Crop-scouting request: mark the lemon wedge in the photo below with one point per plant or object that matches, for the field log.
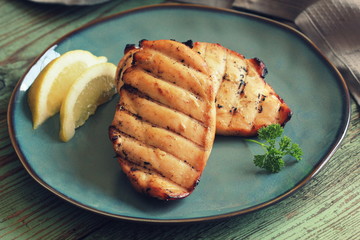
(94, 87)
(52, 84)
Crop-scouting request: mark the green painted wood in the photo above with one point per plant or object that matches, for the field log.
(325, 208)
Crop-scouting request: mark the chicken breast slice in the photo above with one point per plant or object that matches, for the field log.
(244, 101)
(164, 125)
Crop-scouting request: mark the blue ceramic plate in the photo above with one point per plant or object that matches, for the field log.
(84, 170)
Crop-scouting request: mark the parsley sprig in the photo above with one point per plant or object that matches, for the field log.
(275, 150)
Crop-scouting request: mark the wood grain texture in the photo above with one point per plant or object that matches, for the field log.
(325, 208)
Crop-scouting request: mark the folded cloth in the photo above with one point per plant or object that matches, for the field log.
(334, 26)
(284, 9)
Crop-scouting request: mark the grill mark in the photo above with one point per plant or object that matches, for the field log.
(240, 91)
(224, 74)
(120, 71)
(157, 76)
(182, 61)
(257, 101)
(120, 134)
(167, 52)
(140, 94)
(168, 175)
(220, 80)
(139, 118)
(243, 81)
(159, 141)
(137, 167)
(191, 157)
(170, 83)
(149, 171)
(190, 69)
(138, 105)
(192, 96)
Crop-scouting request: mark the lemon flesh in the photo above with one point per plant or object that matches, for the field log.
(94, 87)
(46, 94)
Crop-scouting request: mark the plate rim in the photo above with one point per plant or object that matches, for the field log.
(332, 148)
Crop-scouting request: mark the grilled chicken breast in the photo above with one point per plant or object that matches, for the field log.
(125, 63)
(164, 125)
(244, 101)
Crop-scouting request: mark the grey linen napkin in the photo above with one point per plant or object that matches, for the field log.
(333, 25)
(284, 9)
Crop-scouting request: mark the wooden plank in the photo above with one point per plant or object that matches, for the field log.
(325, 208)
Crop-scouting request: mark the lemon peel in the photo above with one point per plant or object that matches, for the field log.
(92, 88)
(46, 94)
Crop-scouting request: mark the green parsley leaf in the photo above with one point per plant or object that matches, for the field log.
(275, 150)
(270, 132)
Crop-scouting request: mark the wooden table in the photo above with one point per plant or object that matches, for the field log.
(325, 208)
